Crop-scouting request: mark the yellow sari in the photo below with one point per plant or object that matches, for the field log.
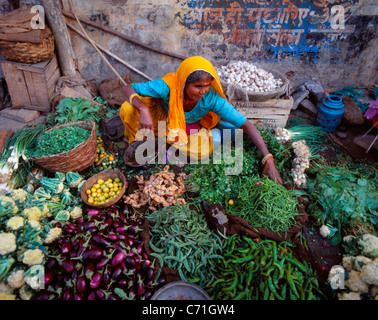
(197, 146)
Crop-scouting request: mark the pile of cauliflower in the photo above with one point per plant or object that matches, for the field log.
(361, 270)
(26, 230)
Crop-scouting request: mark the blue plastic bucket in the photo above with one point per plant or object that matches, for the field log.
(330, 113)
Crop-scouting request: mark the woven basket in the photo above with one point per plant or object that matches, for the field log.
(105, 175)
(353, 114)
(77, 159)
(27, 52)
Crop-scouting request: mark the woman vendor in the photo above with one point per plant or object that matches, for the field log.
(190, 102)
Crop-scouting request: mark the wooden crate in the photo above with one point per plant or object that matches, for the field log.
(31, 86)
(273, 113)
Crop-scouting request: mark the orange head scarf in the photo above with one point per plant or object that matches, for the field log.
(176, 126)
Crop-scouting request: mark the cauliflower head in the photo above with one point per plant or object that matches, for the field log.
(33, 213)
(369, 273)
(53, 234)
(7, 201)
(19, 194)
(7, 243)
(355, 283)
(369, 245)
(349, 296)
(16, 279)
(76, 213)
(33, 257)
(15, 223)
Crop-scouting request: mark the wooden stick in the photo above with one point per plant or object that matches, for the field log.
(94, 45)
(110, 53)
(121, 35)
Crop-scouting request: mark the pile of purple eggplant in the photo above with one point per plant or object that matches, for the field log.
(100, 257)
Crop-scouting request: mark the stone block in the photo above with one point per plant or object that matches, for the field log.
(21, 115)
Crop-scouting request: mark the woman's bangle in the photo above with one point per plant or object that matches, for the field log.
(269, 155)
(132, 97)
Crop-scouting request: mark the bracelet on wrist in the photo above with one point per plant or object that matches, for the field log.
(132, 97)
(269, 155)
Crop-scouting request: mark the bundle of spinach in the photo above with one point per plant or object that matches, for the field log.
(73, 110)
(345, 198)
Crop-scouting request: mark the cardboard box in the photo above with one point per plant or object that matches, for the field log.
(273, 113)
(31, 86)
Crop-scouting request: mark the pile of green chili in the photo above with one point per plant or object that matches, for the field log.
(264, 203)
(181, 239)
(58, 141)
(262, 270)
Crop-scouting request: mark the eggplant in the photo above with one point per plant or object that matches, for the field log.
(67, 265)
(71, 226)
(90, 269)
(49, 278)
(66, 248)
(122, 283)
(121, 237)
(94, 212)
(117, 272)
(106, 278)
(44, 296)
(92, 295)
(102, 263)
(121, 229)
(96, 280)
(116, 223)
(112, 237)
(107, 223)
(146, 264)
(81, 284)
(111, 297)
(100, 294)
(130, 261)
(118, 258)
(139, 248)
(100, 240)
(147, 294)
(93, 254)
(92, 230)
(51, 263)
(139, 221)
(77, 296)
(67, 294)
(150, 274)
(89, 225)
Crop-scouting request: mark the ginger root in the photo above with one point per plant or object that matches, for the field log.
(160, 190)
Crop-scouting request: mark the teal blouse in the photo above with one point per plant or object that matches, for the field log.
(211, 101)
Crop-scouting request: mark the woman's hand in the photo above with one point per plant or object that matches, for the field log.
(145, 118)
(271, 171)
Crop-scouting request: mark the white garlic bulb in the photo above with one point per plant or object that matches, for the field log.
(248, 76)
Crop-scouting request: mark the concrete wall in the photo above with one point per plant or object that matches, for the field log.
(333, 40)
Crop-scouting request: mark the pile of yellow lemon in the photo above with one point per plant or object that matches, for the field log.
(104, 191)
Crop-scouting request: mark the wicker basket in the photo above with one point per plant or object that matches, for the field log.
(27, 52)
(105, 175)
(77, 159)
(353, 114)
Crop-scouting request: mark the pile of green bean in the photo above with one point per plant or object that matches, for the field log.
(262, 270)
(181, 239)
(264, 203)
